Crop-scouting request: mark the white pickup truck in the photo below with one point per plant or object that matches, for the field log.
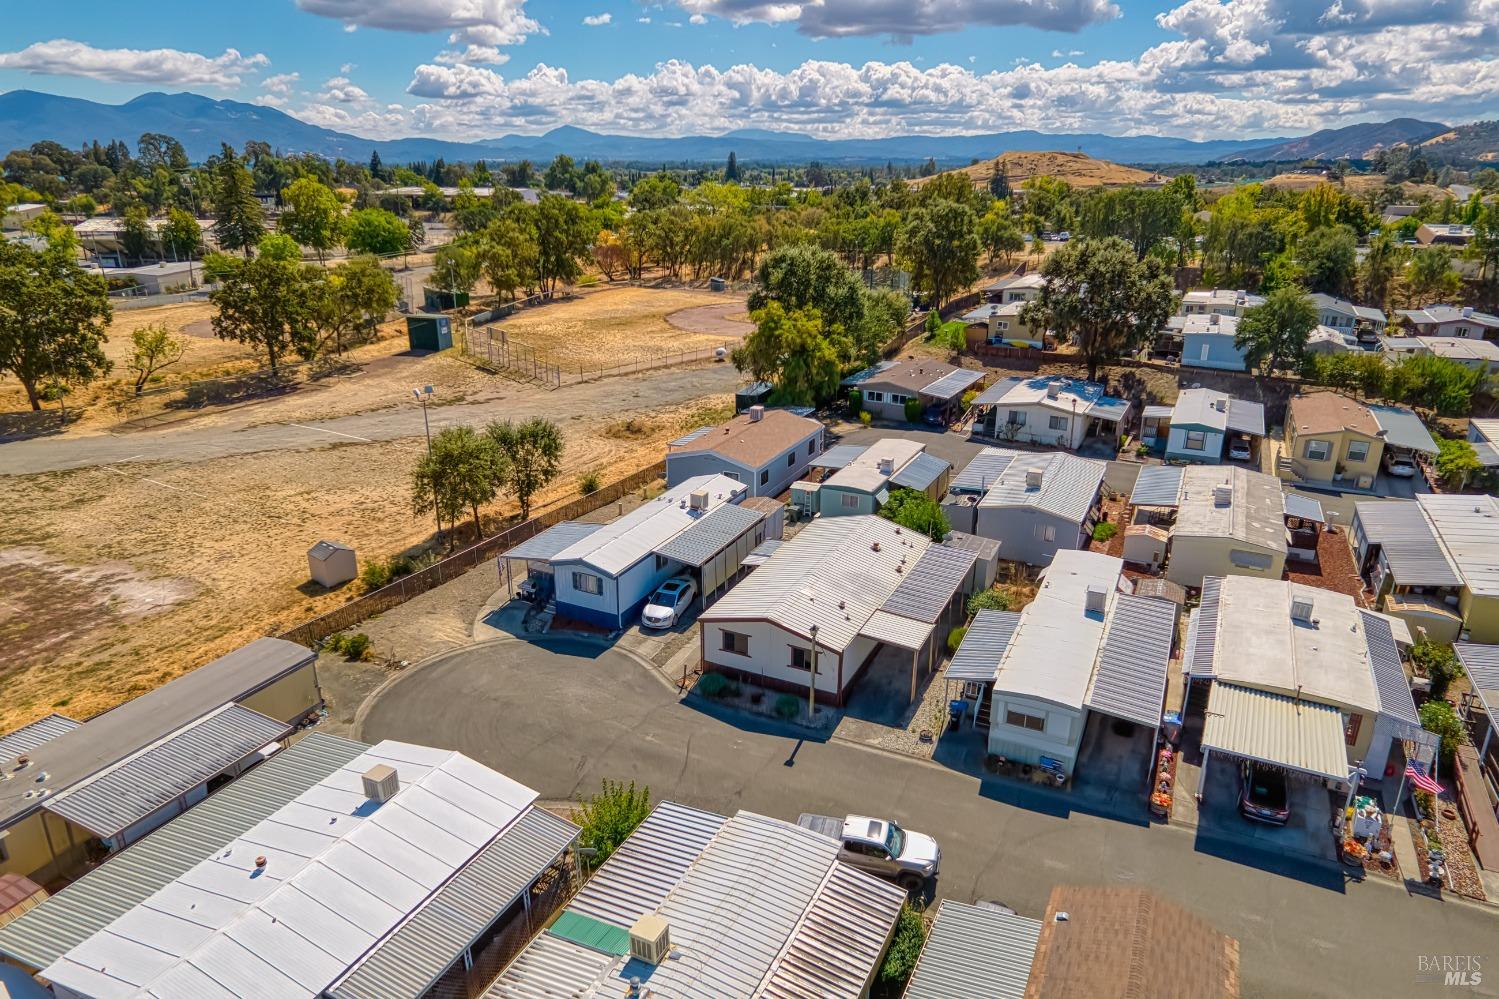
(880, 847)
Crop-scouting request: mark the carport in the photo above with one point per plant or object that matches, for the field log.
(922, 609)
(714, 549)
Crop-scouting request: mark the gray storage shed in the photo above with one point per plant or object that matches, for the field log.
(331, 564)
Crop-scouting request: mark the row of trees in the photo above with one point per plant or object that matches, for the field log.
(467, 469)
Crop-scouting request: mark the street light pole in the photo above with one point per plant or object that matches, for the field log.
(812, 680)
(422, 394)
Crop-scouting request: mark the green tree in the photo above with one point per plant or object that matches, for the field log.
(270, 303)
(1484, 248)
(731, 169)
(1097, 291)
(1439, 385)
(1438, 717)
(940, 245)
(905, 950)
(561, 174)
(564, 236)
(802, 276)
(1429, 277)
(916, 512)
(53, 318)
(416, 235)
(312, 215)
(1378, 270)
(377, 231)
(1275, 334)
(1141, 217)
(1439, 662)
(136, 237)
(241, 221)
(533, 456)
(794, 352)
(507, 256)
(1327, 259)
(999, 235)
(355, 297)
(1456, 462)
(153, 348)
(463, 472)
(181, 235)
(605, 820)
(657, 190)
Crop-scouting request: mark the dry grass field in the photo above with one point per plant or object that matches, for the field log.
(1076, 169)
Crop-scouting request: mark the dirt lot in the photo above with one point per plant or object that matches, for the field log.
(615, 326)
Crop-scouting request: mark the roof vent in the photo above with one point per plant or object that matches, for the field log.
(1034, 477)
(756, 413)
(22, 762)
(42, 776)
(1096, 598)
(381, 782)
(1053, 390)
(260, 863)
(699, 499)
(1301, 609)
(1223, 494)
(650, 939)
(874, 547)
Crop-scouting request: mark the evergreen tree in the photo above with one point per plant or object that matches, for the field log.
(377, 169)
(731, 171)
(241, 222)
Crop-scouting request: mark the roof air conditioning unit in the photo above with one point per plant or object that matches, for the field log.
(1301, 609)
(650, 939)
(1467, 312)
(1053, 390)
(1034, 477)
(756, 413)
(1096, 599)
(1223, 495)
(1221, 405)
(381, 782)
(887, 466)
(699, 499)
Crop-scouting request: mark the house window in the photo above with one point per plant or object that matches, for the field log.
(1351, 725)
(1202, 352)
(801, 658)
(1258, 561)
(1197, 440)
(1057, 422)
(734, 476)
(735, 643)
(587, 582)
(1019, 719)
(898, 400)
(1046, 532)
(1461, 331)
(1358, 450)
(1016, 418)
(811, 447)
(764, 476)
(1001, 324)
(1317, 450)
(791, 460)
(661, 562)
(875, 396)
(849, 501)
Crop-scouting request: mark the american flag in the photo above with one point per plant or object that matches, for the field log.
(1419, 777)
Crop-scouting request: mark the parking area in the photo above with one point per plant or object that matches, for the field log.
(1114, 762)
(1307, 832)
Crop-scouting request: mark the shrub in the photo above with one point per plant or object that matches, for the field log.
(356, 646)
(855, 401)
(374, 575)
(788, 706)
(865, 417)
(917, 512)
(969, 396)
(402, 565)
(334, 643)
(1439, 718)
(1104, 531)
(933, 322)
(955, 638)
(988, 600)
(913, 410)
(1440, 663)
(712, 685)
(607, 819)
(589, 483)
(905, 949)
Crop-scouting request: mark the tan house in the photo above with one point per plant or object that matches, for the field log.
(1002, 325)
(1331, 438)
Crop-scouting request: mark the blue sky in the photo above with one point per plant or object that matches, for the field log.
(472, 68)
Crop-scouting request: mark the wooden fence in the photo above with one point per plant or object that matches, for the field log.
(917, 327)
(419, 582)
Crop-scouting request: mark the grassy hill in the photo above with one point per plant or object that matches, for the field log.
(1077, 169)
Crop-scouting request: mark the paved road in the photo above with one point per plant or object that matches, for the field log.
(562, 718)
(186, 444)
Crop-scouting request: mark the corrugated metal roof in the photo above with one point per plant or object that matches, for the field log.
(920, 472)
(863, 376)
(979, 474)
(1486, 432)
(1202, 629)
(892, 629)
(1157, 485)
(34, 734)
(71, 916)
(983, 645)
(838, 456)
(761, 552)
(553, 540)
(1157, 412)
(689, 438)
(639, 875)
(929, 585)
(406, 963)
(1394, 687)
(1408, 541)
(1481, 662)
(985, 549)
(1304, 507)
(117, 798)
(552, 968)
(833, 952)
(711, 535)
(1246, 417)
(953, 384)
(626, 540)
(1403, 428)
(1469, 529)
(1069, 484)
(1259, 725)
(1130, 679)
(975, 953)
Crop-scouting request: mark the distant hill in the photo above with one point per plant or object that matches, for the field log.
(1359, 142)
(1075, 168)
(1478, 141)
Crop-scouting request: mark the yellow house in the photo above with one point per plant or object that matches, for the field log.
(72, 794)
(1331, 438)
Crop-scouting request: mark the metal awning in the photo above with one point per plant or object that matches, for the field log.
(983, 471)
(761, 553)
(1246, 417)
(1274, 728)
(1304, 507)
(1157, 412)
(837, 457)
(983, 646)
(689, 438)
(712, 534)
(929, 586)
(892, 629)
(1481, 662)
(1157, 485)
(951, 385)
(1400, 427)
(920, 472)
(1130, 679)
(551, 541)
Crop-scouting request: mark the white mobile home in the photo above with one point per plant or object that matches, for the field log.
(1218, 521)
(1050, 410)
(862, 478)
(1033, 504)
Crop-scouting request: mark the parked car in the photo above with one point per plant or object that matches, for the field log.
(1063, 236)
(1239, 449)
(880, 847)
(1264, 796)
(1402, 466)
(669, 603)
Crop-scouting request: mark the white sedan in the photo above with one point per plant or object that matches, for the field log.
(669, 603)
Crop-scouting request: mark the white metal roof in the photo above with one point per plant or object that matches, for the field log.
(983, 646)
(1468, 527)
(1304, 507)
(1255, 513)
(1276, 728)
(626, 540)
(1129, 681)
(1069, 484)
(1201, 407)
(554, 539)
(831, 562)
(979, 474)
(892, 629)
(1481, 663)
(1157, 485)
(1408, 542)
(1211, 324)
(953, 384)
(1073, 396)
(975, 953)
(34, 734)
(862, 473)
(231, 927)
(552, 967)
(837, 456)
(1403, 428)
(920, 472)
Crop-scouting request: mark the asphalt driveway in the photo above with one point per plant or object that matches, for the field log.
(563, 715)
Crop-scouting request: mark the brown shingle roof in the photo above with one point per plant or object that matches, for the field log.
(1129, 943)
(753, 443)
(914, 375)
(1327, 412)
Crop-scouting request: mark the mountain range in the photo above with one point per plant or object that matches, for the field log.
(203, 123)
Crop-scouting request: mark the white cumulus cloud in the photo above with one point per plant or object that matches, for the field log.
(902, 19)
(478, 29)
(596, 20)
(342, 90)
(65, 57)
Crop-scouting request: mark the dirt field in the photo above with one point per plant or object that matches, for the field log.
(1075, 168)
(615, 326)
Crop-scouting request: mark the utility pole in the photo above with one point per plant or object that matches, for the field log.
(423, 394)
(812, 679)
